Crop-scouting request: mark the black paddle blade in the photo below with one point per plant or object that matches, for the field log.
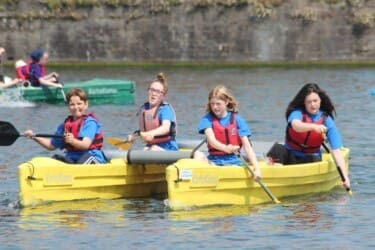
(8, 134)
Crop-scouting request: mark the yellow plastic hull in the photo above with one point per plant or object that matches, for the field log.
(44, 180)
(194, 184)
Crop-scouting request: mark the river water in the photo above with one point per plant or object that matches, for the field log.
(330, 221)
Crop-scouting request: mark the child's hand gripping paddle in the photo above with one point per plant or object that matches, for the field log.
(9, 134)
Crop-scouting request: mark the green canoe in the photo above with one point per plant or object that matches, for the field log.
(99, 91)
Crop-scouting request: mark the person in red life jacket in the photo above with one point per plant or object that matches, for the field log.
(35, 70)
(82, 133)
(310, 115)
(157, 119)
(226, 131)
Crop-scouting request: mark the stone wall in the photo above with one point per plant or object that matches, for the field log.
(196, 30)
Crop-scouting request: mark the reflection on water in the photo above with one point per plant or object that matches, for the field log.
(331, 220)
(214, 212)
(75, 214)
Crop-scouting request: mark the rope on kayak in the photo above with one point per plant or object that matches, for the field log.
(178, 175)
(32, 170)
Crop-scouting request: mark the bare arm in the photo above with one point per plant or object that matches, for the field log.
(83, 144)
(251, 155)
(162, 130)
(44, 142)
(211, 139)
(301, 127)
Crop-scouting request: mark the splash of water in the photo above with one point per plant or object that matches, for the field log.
(12, 98)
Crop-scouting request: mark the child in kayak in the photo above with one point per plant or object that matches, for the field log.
(6, 82)
(82, 136)
(310, 116)
(35, 71)
(157, 119)
(226, 131)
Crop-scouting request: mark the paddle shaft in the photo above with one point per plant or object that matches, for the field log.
(337, 167)
(62, 90)
(1, 68)
(197, 147)
(46, 136)
(260, 182)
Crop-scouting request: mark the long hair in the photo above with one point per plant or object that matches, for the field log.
(298, 101)
(222, 93)
(163, 81)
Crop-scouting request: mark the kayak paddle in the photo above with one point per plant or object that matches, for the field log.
(325, 145)
(1, 68)
(9, 134)
(125, 144)
(260, 182)
(119, 143)
(62, 90)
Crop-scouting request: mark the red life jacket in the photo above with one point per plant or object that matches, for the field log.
(74, 127)
(306, 142)
(149, 120)
(226, 135)
(23, 72)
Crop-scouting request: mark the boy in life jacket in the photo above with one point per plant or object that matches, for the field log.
(157, 119)
(35, 70)
(82, 134)
(310, 116)
(226, 131)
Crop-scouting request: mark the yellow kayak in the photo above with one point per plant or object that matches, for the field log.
(44, 180)
(128, 175)
(188, 182)
(195, 184)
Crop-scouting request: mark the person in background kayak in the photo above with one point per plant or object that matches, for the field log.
(310, 115)
(9, 83)
(82, 133)
(6, 82)
(226, 131)
(35, 70)
(157, 119)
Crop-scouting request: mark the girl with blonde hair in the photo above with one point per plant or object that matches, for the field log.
(226, 131)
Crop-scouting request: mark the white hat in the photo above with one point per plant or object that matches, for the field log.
(19, 63)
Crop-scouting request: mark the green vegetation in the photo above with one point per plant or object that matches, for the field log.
(364, 17)
(306, 14)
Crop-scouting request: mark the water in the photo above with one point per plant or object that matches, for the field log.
(327, 221)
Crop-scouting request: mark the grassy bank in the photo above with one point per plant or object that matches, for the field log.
(197, 65)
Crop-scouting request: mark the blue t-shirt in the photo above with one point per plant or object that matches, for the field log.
(165, 113)
(243, 130)
(333, 134)
(36, 72)
(89, 129)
